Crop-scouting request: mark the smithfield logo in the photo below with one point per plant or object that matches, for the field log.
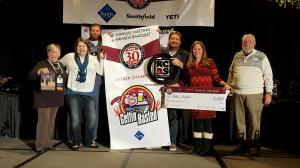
(106, 13)
(132, 55)
(137, 104)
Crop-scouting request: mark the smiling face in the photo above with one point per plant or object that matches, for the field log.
(197, 54)
(174, 41)
(53, 52)
(197, 51)
(81, 47)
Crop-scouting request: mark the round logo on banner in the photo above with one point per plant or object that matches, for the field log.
(138, 4)
(160, 68)
(132, 55)
(137, 98)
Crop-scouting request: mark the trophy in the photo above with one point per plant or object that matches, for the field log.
(161, 70)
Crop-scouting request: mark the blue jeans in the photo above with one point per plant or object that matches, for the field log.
(173, 124)
(87, 105)
(97, 88)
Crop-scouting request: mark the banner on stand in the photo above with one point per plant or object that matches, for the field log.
(136, 117)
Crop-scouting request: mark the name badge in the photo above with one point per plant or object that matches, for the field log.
(59, 83)
(59, 79)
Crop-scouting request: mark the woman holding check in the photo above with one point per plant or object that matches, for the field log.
(202, 72)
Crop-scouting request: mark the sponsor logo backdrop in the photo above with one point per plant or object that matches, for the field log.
(140, 13)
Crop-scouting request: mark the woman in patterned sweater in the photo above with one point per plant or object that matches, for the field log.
(202, 72)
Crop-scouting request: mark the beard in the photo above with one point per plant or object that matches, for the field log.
(174, 46)
(94, 37)
(247, 50)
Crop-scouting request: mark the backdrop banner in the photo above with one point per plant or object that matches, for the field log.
(135, 115)
(140, 12)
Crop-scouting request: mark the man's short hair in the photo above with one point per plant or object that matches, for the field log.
(94, 25)
(175, 32)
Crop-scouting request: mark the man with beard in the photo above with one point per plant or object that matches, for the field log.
(251, 78)
(95, 49)
(179, 59)
(95, 41)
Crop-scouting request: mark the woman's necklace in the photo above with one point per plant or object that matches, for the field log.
(56, 67)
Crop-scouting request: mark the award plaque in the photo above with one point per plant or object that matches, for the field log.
(160, 68)
(47, 81)
(51, 82)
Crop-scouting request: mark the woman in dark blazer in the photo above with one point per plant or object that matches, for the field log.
(48, 78)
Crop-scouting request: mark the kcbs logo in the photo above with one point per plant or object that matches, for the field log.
(162, 68)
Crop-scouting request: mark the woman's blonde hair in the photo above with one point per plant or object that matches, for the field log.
(54, 46)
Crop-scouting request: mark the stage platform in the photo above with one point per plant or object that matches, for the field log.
(16, 153)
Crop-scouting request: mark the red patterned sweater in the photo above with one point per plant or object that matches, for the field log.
(204, 76)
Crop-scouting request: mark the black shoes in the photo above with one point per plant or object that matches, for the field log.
(196, 151)
(254, 151)
(240, 150)
(205, 153)
(202, 151)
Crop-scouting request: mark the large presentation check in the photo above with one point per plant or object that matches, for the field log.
(196, 98)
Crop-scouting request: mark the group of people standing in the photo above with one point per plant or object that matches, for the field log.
(82, 82)
(250, 79)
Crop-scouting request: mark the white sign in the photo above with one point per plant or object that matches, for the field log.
(213, 99)
(163, 34)
(140, 13)
(135, 114)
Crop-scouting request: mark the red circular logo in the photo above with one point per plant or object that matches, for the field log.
(132, 55)
(138, 4)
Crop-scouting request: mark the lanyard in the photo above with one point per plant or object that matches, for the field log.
(54, 68)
